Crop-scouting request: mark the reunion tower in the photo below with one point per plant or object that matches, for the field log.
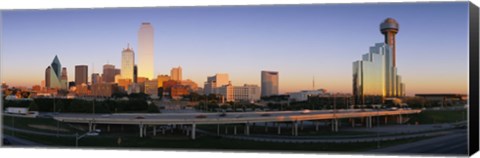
(389, 28)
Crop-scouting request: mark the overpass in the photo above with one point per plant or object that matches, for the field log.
(144, 120)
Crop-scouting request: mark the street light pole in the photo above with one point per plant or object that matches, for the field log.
(76, 140)
(58, 126)
(378, 126)
(13, 124)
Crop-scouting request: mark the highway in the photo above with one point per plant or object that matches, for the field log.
(348, 139)
(19, 142)
(451, 144)
(227, 118)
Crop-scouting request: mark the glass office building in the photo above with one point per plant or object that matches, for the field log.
(375, 78)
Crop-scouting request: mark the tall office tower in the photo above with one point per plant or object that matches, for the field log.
(53, 74)
(64, 80)
(96, 79)
(176, 73)
(128, 63)
(145, 51)
(135, 74)
(64, 73)
(108, 74)
(215, 82)
(47, 76)
(375, 77)
(389, 28)
(269, 83)
(81, 74)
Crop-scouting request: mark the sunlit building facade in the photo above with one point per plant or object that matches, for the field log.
(161, 79)
(215, 81)
(151, 88)
(375, 77)
(247, 92)
(104, 89)
(145, 51)
(269, 83)
(176, 73)
(190, 84)
(128, 63)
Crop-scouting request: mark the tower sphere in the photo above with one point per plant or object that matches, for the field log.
(389, 25)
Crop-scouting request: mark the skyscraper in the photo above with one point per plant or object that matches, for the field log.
(176, 73)
(81, 74)
(64, 80)
(375, 76)
(269, 83)
(108, 74)
(47, 76)
(53, 78)
(145, 51)
(96, 79)
(128, 63)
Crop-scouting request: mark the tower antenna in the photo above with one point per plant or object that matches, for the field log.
(313, 82)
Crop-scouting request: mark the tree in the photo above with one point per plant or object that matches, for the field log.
(153, 109)
(33, 106)
(60, 106)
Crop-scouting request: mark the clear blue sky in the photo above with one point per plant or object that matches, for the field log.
(299, 41)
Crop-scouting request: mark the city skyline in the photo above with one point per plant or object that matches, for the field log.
(243, 61)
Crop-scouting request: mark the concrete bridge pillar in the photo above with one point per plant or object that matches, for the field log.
(226, 129)
(266, 127)
(293, 129)
(141, 130)
(400, 120)
(336, 125)
(90, 128)
(386, 119)
(278, 130)
(332, 124)
(369, 122)
(247, 129)
(193, 131)
(154, 130)
(301, 125)
(296, 128)
(234, 130)
(316, 126)
(353, 123)
(218, 129)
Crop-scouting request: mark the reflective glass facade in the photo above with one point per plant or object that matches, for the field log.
(375, 76)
